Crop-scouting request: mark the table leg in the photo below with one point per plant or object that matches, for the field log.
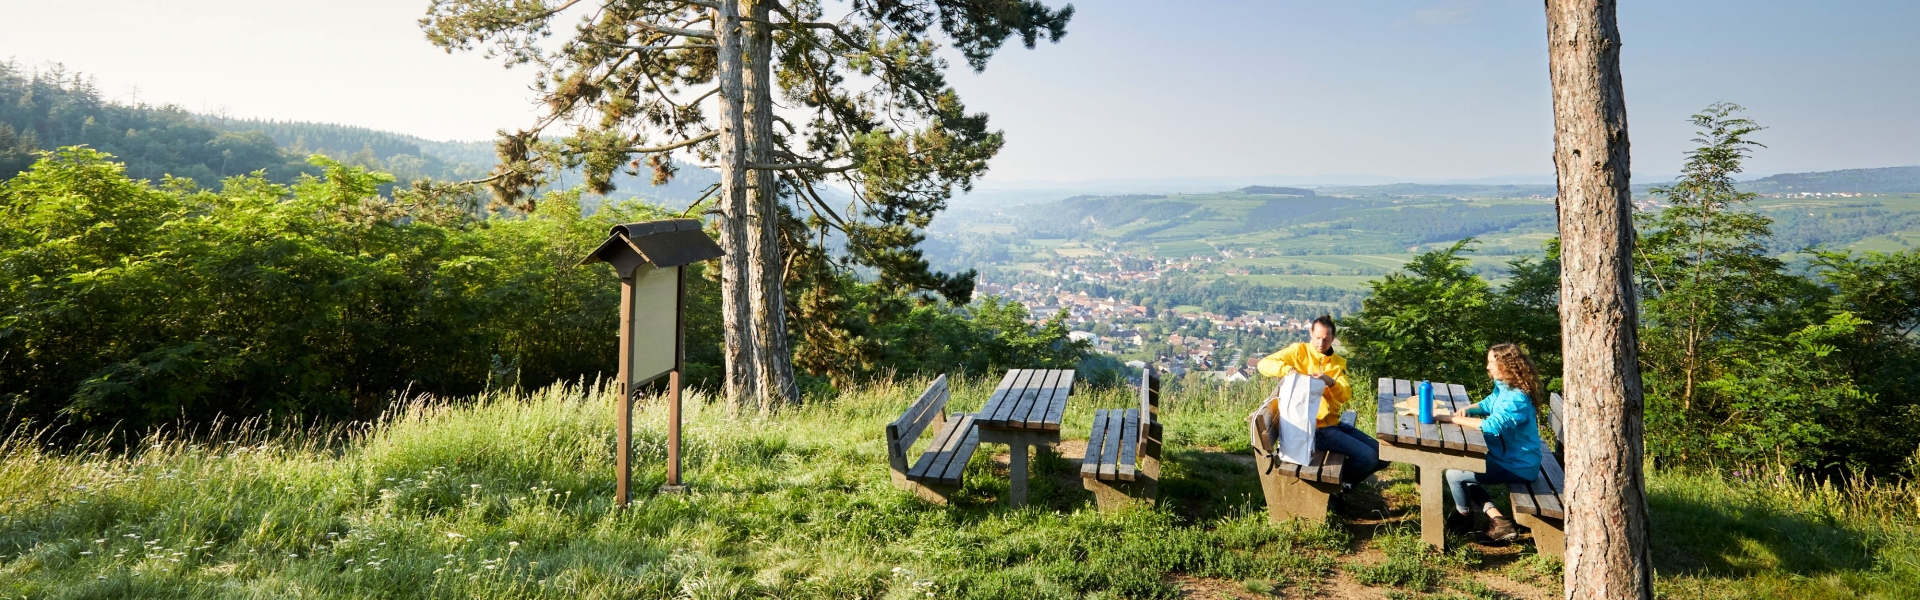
(1017, 467)
(1433, 507)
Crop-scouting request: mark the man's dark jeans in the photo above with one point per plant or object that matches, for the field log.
(1363, 452)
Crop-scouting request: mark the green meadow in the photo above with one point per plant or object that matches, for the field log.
(510, 496)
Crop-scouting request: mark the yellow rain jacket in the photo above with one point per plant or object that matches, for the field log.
(1301, 358)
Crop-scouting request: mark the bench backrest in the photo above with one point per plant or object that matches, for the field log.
(1263, 427)
(1553, 421)
(1150, 430)
(927, 411)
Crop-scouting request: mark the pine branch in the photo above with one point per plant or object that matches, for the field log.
(650, 48)
(809, 166)
(679, 31)
(676, 145)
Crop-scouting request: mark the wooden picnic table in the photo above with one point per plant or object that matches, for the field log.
(1025, 411)
(1431, 449)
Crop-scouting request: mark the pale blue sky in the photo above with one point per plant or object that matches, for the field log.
(1429, 89)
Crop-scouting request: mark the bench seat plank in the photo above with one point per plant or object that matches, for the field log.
(1312, 472)
(957, 465)
(1331, 466)
(1522, 497)
(1547, 489)
(1090, 463)
(933, 462)
(1129, 444)
(1110, 449)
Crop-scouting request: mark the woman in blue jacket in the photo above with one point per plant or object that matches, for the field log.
(1512, 428)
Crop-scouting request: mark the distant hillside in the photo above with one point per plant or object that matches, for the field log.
(42, 110)
(1276, 191)
(1442, 190)
(1889, 180)
(50, 109)
(412, 157)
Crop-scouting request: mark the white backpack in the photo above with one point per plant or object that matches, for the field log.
(1298, 401)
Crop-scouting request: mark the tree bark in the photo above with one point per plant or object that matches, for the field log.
(736, 225)
(1606, 523)
(767, 268)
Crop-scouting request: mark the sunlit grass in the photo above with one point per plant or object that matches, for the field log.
(511, 496)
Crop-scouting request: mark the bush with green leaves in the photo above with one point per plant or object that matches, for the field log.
(1436, 320)
(127, 304)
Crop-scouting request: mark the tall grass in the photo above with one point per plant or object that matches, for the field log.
(510, 496)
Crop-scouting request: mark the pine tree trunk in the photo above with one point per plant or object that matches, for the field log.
(767, 269)
(1606, 525)
(736, 226)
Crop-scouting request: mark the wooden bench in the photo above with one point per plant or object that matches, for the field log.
(1537, 505)
(939, 471)
(1122, 463)
(1293, 490)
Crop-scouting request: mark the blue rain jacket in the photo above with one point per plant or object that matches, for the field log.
(1512, 428)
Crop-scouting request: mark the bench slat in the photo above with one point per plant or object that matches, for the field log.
(957, 466)
(1036, 389)
(1552, 481)
(1522, 497)
(959, 427)
(1129, 443)
(1383, 421)
(1476, 441)
(1312, 472)
(1110, 449)
(1090, 463)
(930, 461)
(999, 397)
(1408, 431)
(1007, 399)
(1016, 418)
(1036, 417)
(1057, 410)
(1429, 433)
(932, 403)
(1451, 436)
(1553, 420)
(1331, 466)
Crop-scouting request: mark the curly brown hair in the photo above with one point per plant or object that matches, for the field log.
(1518, 370)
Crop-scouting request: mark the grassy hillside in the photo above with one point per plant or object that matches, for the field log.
(509, 496)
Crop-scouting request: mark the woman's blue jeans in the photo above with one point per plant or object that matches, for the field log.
(1363, 452)
(1468, 494)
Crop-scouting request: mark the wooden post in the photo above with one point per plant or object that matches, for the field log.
(623, 431)
(673, 384)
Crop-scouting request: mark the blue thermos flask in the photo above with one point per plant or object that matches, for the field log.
(1426, 403)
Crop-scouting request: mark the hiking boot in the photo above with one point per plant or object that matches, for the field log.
(1502, 529)
(1460, 523)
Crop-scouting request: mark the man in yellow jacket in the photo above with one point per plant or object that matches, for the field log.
(1315, 358)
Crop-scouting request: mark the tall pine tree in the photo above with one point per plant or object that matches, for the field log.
(866, 110)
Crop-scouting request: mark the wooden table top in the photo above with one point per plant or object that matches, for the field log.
(1390, 427)
(1028, 399)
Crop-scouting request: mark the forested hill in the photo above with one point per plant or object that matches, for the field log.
(43, 110)
(1890, 180)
